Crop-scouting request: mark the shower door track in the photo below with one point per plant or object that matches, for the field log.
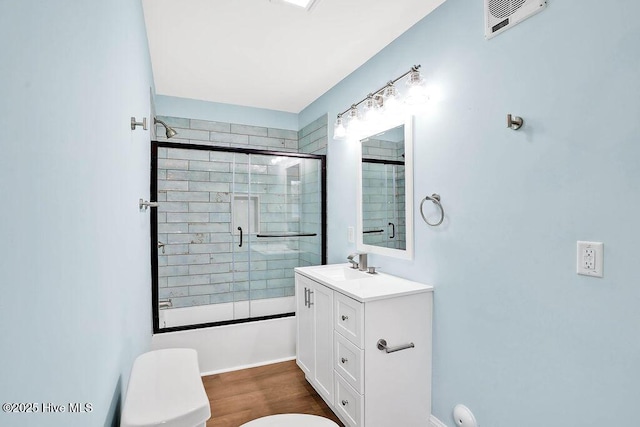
(154, 225)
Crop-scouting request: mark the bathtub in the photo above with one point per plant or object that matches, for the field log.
(236, 346)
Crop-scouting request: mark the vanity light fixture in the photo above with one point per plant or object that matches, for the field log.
(384, 101)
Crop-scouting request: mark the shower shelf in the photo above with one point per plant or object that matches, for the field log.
(288, 235)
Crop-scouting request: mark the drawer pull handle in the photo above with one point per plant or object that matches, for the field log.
(345, 402)
(382, 345)
(344, 360)
(345, 317)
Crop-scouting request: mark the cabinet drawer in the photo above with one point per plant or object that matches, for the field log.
(349, 319)
(349, 403)
(348, 362)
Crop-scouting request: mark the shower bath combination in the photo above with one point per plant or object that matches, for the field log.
(232, 224)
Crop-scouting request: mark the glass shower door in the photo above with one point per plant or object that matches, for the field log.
(231, 227)
(285, 232)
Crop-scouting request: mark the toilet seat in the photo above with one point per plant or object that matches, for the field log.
(291, 420)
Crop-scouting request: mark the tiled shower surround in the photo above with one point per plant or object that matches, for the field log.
(204, 196)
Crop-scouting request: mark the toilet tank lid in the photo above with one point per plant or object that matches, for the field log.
(165, 388)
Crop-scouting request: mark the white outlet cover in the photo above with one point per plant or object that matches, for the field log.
(463, 416)
(351, 235)
(590, 259)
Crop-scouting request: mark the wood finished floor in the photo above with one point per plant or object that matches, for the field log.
(241, 396)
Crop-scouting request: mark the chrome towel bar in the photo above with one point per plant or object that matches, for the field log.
(382, 345)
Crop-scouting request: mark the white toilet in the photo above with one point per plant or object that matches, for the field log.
(291, 420)
(165, 389)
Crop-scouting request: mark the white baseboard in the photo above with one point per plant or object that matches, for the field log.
(434, 422)
(253, 365)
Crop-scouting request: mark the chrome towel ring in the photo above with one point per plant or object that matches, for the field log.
(435, 198)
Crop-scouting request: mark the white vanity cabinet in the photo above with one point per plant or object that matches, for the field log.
(314, 344)
(370, 386)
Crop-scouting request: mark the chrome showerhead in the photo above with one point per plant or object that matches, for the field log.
(169, 131)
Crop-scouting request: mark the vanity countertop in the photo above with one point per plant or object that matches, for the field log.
(362, 286)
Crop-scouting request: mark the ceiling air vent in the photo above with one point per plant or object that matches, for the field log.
(501, 15)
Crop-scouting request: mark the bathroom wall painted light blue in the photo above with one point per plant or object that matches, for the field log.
(74, 259)
(518, 336)
(215, 111)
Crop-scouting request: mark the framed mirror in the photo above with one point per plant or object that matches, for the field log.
(385, 190)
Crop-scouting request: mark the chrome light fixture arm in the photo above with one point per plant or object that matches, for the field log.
(377, 95)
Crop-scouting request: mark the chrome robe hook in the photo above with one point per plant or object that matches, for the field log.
(514, 122)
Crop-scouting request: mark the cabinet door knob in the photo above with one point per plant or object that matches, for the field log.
(344, 360)
(345, 402)
(344, 317)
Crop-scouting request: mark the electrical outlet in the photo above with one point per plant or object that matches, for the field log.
(590, 260)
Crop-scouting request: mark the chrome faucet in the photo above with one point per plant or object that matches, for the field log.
(354, 264)
(362, 261)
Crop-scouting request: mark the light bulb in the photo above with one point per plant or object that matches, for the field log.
(354, 128)
(390, 92)
(371, 109)
(354, 114)
(390, 96)
(417, 93)
(339, 131)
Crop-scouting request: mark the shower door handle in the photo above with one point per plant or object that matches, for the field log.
(240, 229)
(393, 230)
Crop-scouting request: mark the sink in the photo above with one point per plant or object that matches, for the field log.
(342, 273)
(359, 285)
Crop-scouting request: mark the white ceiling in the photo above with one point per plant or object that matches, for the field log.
(268, 55)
